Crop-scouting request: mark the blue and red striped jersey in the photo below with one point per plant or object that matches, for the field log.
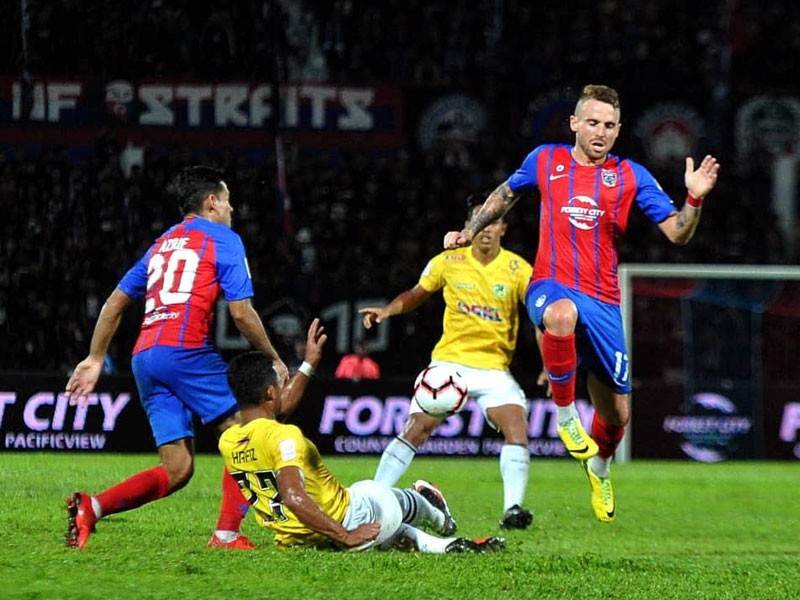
(181, 276)
(584, 212)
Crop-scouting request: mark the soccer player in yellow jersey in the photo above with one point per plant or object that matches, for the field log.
(292, 492)
(483, 286)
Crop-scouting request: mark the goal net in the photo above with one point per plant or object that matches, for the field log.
(715, 357)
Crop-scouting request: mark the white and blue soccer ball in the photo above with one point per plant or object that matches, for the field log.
(440, 391)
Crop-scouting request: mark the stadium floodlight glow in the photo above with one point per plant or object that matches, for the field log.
(628, 271)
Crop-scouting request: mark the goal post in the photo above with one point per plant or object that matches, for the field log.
(702, 272)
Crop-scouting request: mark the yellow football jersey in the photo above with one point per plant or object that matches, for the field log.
(256, 451)
(481, 314)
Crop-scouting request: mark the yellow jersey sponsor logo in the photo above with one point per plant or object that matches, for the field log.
(487, 313)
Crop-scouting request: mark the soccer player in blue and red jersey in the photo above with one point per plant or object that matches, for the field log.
(178, 372)
(573, 298)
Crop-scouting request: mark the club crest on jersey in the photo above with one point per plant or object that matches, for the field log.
(609, 178)
(582, 212)
(500, 290)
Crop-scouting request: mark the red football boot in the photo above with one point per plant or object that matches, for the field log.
(80, 520)
(240, 543)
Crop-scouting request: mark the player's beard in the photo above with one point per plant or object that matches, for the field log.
(594, 154)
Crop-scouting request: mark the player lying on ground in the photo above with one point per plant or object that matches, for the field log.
(586, 197)
(483, 287)
(292, 492)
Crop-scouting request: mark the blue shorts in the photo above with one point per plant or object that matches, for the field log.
(175, 383)
(599, 337)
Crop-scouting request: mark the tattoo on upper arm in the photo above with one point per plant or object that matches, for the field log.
(497, 204)
(508, 195)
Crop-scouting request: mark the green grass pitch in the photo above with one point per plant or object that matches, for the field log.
(682, 531)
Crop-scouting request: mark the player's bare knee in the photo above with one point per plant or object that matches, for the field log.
(561, 317)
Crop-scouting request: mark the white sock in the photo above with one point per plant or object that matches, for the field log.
(515, 463)
(565, 413)
(600, 466)
(396, 458)
(98, 510)
(417, 510)
(424, 542)
(225, 536)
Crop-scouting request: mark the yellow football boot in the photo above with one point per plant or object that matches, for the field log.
(603, 503)
(577, 442)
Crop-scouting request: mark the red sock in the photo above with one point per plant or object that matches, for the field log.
(233, 507)
(607, 436)
(560, 362)
(140, 489)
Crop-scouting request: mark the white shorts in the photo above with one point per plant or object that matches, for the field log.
(373, 502)
(490, 388)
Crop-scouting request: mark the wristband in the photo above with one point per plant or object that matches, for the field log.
(694, 202)
(306, 369)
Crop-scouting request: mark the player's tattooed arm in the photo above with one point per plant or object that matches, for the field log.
(496, 205)
(687, 221)
(679, 227)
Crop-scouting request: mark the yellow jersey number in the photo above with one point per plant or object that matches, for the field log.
(267, 488)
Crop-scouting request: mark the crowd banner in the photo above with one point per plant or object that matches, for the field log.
(35, 414)
(361, 418)
(198, 113)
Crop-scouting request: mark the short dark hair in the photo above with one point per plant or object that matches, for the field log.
(601, 93)
(249, 375)
(473, 201)
(191, 186)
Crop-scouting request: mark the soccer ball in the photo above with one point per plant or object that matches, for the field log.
(440, 391)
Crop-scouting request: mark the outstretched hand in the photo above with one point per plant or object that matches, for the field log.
(457, 239)
(83, 380)
(314, 342)
(701, 181)
(373, 314)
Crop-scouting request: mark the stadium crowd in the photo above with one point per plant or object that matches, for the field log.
(361, 222)
(426, 41)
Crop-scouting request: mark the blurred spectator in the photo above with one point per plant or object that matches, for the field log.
(357, 365)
